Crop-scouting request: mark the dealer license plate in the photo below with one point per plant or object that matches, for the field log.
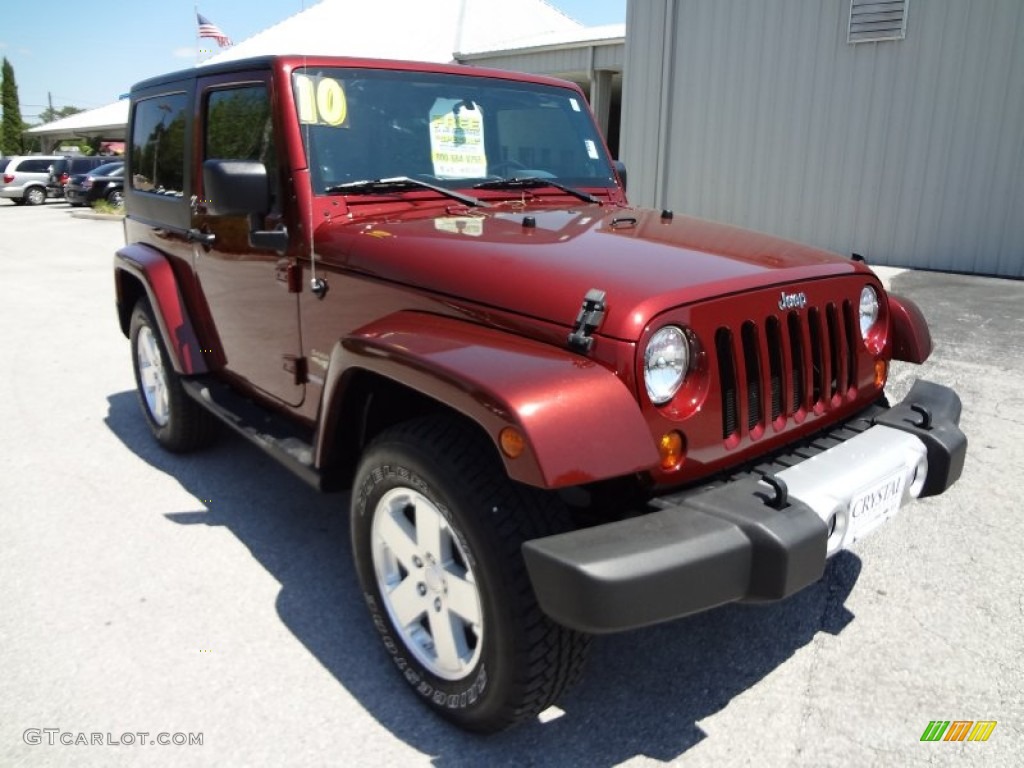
(873, 506)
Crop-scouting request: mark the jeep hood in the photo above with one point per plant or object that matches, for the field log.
(541, 262)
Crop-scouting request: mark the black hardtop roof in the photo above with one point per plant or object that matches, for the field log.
(269, 62)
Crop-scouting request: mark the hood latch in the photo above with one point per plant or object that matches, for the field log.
(587, 321)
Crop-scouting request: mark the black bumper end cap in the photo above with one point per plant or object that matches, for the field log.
(716, 547)
(931, 412)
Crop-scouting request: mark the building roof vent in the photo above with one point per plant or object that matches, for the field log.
(874, 20)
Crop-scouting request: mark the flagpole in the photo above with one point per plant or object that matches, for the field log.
(195, 23)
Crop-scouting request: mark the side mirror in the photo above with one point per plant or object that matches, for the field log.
(620, 168)
(236, 187)
(241, 188)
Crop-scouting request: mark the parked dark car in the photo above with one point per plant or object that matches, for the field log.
(73, 165)
(104, 183)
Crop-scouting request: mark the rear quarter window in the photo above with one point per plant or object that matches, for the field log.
(158, 145)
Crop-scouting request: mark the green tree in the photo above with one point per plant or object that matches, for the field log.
(11, 142)
(50, 114)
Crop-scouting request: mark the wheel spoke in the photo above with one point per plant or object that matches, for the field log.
(162, 405)
(398, 536)
(407, 602)
(153, 353)
(428, 531)
(148, 376)
(443, 630)
(463, 598)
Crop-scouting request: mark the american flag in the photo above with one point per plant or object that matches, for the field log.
(208, 29)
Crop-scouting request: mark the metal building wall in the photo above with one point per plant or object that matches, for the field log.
(555, 60)
(759, 113)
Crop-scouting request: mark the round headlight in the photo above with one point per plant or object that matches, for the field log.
(869, 309)
(666, 361)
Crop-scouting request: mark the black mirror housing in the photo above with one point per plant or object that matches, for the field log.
(236, 187)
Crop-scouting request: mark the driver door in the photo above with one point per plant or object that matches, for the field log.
(245, 289)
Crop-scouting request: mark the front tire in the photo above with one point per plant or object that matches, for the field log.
(437, 530)
(177, 422)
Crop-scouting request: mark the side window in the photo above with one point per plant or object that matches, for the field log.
(35, 166)
(239, 126)
(158, 145)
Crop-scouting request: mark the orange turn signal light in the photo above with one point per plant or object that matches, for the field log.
(512, 442)
(881, 373)
(672, 449)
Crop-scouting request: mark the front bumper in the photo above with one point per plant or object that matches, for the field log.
(759, 536)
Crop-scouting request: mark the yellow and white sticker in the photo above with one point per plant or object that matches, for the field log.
(457, 139)
(320, 101)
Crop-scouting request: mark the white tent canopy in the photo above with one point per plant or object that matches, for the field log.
(421, 30)
(108, 122)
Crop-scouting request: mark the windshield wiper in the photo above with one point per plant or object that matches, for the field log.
(533, 182)
(398, 183)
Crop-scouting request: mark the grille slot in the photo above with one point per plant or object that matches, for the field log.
(796, 368)
(774, 331)
(851, 340)
(727, 378)
(817, 364)
(834, 349)
(752, 365)
(806, 359)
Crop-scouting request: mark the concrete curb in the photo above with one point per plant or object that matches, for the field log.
(95, 215)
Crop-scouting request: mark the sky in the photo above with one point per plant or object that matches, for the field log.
(87, 54)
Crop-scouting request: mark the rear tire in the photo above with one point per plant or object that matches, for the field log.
(437, 531)
(177, 421)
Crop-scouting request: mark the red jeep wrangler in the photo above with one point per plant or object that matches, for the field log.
(557, 414)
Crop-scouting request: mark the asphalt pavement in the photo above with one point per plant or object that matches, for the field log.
(212, 596)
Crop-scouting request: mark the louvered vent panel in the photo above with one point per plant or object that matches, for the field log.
(874, 20)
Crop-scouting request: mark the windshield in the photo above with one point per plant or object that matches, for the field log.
(453, 131)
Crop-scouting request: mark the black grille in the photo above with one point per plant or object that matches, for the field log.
(805, 359)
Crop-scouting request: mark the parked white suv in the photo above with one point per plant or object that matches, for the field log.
(24, 179)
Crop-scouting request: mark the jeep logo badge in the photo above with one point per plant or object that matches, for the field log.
(792, 301)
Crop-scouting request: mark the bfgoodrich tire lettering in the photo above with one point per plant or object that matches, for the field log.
(177, 422)
(453, 525)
